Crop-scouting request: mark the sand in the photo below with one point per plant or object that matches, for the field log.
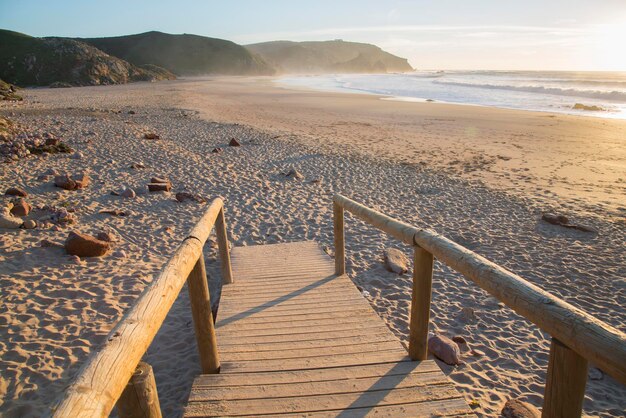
(396, 157)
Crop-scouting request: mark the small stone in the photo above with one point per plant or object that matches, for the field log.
(74, 182)
(159, 187)
(294, 174)
(47, 243)
(84, 245)
(77, 155)
(595, 374)
(131, 112)
(128, 193)
(107, 236)
(216, 150)
(75, 259)
(151, 135)
(52, 141)
(114, 212)
(444, 349)
(15, 191)
(234, 143)
(20, 207)
(184, 196)
(476, 353)
(162, 180)
(396, 261)
(459, 339)
(10, 222)
(29, 224)
(119, 254)
(137, 166)
(514, 408)
(553, 219)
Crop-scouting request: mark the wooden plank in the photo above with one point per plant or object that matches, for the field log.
(315, 362)
(277, 346)
(286, 353)
(317, 375)
(365, 324)
(307, 316)
(269, 310)
(312, 336)
(455, 407)
(301, 389)
(310, 323)
(304, 404)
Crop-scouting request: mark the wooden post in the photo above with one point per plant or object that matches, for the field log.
(222, 242)
(565, 383)
(203, 318)
(140, 398)
(420, 303)
(340, 244)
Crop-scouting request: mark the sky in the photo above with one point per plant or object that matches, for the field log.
(438, 34)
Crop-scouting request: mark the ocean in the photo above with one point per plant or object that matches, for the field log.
(600, 94)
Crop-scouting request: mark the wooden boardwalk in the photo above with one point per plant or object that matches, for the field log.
(296, 340)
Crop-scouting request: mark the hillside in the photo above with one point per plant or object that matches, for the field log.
(30, 61)
(184, 54)
(329, 57)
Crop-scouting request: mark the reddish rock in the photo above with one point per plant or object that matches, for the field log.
(444, 349)
(106, 236)
(183, 196)
(216, 150)
(83, 245)
(20, 207)
(52, 141)
(15, 191)
(234, 143)
(514, 408)
(78, 181)
(160, 187)
(151, 135)
(159, 180)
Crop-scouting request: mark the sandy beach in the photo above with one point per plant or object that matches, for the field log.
(481, 176)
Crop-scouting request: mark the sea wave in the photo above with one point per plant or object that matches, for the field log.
(592, 94)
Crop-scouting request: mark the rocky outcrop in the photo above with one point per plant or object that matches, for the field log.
(30, 61)
(329, 57)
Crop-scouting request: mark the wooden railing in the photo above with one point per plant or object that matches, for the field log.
(577, 337)
(113, 368)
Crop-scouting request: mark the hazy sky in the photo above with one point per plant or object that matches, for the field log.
(447, 34)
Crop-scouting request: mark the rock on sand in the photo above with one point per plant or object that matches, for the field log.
(84, 245)
(444, 349)
(396, 261)
(514, 408)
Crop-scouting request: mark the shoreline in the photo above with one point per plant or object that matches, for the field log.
(57, 312)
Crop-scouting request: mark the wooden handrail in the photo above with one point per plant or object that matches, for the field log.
(577, 336)
(100, 382)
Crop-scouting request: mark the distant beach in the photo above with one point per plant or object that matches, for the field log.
(482, 176)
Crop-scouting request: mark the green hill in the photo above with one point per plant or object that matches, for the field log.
(184, 54)
(30, 61)
(329, 57)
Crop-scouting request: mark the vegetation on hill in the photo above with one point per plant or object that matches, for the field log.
(329, 57)
(8, 91)
(30, 61)
(184, 54)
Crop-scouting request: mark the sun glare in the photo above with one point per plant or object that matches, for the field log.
(610, 47)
